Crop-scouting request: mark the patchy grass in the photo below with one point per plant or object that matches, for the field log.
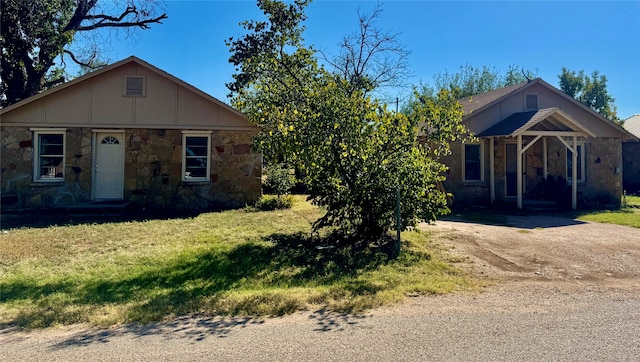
(628, 215)
(236, 262)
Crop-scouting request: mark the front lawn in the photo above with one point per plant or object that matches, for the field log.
(628, 215)
(238, 262)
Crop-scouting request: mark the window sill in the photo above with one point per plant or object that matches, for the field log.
(474, 184)
(46, 183)
(196, 182)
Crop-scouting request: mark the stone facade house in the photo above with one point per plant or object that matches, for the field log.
(534, 142)
(128, 132)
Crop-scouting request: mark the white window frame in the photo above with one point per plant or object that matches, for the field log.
(185, 134)
(581, 160)
(51, 177)
(526, 108)
(464, 161)
(144, 85)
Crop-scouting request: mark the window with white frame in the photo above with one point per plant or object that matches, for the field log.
(473, 162)
(581, 163)
(196, 156)
(49, 155)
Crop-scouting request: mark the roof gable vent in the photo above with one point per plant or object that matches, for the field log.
(531, 102)
(134, 86)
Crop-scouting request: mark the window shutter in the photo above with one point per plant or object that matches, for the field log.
(135, 86)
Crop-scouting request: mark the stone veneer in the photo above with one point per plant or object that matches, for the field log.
(152, 171)
(602, 185)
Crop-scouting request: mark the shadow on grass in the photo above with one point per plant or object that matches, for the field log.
(191, 284)
(44, 218)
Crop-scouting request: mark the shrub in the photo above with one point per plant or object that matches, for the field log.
(279, 179)
(273, 202)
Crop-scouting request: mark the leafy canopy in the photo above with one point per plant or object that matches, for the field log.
(353, 151)
(36, 32)
(471, 80)
(590, 91)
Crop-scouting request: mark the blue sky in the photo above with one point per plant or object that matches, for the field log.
(542, 36)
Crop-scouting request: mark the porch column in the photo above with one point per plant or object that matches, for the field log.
(519, 171)
(574, 174)
(492, 184)
(544, 158)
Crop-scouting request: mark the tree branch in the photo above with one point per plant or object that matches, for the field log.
(79, 62)
(142, 24)
(102, 17)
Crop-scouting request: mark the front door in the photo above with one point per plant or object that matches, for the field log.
(108, 168)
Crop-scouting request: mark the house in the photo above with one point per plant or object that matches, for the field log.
(128, 132)
(631, 157)
(534, 142)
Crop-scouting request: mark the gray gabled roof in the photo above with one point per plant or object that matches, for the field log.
(547, 119)
(632, 124)
(478, 103)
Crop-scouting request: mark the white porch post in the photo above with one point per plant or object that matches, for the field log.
(519, 171)
(574, 174)
(492, 185)
(544, 157)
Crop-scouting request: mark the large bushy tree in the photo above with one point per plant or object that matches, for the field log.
(471, 80)
(36, 32)
(590, 91)
(355, 153)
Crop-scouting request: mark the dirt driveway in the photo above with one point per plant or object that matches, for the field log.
(552, 249)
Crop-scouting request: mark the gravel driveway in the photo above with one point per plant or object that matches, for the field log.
(545, 248)
(565, 291)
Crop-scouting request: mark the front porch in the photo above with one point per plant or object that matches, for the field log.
(526, 167)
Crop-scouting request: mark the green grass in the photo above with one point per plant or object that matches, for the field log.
(629, 215)
(237, 262)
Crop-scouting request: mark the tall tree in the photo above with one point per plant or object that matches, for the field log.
(354, 151)
(471, 80)
(35, 33)
(590, 91)
(371, 58)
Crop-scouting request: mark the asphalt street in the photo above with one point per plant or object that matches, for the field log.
(523, 321)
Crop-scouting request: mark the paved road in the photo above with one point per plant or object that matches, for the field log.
(518, 321)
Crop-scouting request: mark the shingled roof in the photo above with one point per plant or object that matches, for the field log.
(632, 124)
(547, 119)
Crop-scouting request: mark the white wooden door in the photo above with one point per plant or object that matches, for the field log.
(108, 169)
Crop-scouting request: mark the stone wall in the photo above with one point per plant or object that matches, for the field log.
(466, 192)
(152, 174)
(603, 176)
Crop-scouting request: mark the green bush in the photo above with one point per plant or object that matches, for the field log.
(279, 179)
(273, 202)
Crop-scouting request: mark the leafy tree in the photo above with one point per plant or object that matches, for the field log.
(590, 91)
(471, 80)
(354, 151)
(35, 33)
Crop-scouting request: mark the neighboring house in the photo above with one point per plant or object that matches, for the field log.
(631, 157)
(128, 132)
(552, 133)
(632, 124)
